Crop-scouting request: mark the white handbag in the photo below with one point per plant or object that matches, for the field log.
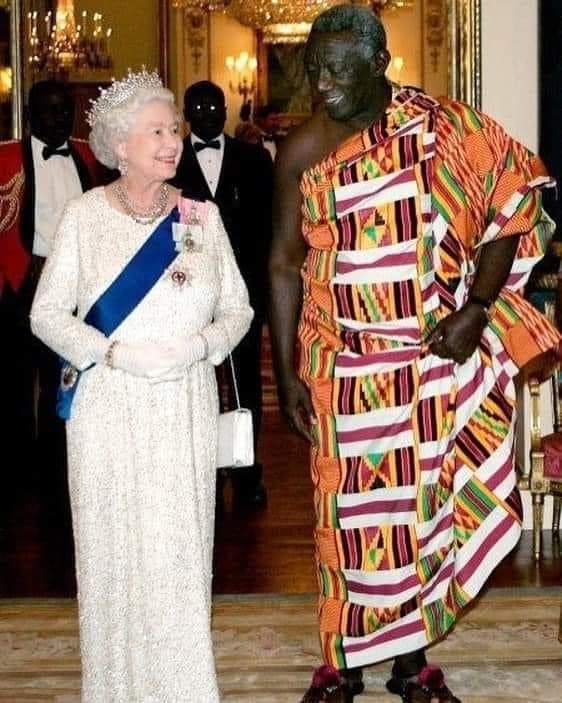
(236, 434)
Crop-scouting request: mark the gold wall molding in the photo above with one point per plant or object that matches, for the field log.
(465, 51)
(435, 20)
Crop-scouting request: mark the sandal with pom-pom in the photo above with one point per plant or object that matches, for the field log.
(332, 686)
(427, 687)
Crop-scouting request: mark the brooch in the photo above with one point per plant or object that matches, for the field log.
(188, 236)
(180, 276)
(68, 377)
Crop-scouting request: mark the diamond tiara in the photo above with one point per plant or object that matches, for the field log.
(120, 91)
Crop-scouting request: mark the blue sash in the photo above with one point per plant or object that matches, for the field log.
(118, 301)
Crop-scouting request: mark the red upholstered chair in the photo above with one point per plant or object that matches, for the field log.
(546, 459)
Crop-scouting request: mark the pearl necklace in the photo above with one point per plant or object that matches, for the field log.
(143, 217)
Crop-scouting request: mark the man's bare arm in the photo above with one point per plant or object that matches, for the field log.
(457, 336)
(288, 251)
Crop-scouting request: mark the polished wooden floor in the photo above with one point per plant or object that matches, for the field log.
(268, 551)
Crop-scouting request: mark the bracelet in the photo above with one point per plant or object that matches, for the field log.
(108, 357)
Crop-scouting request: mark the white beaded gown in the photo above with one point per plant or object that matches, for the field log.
(142, 457)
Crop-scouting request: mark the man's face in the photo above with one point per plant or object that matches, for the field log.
(340, 75)
(206, 114)
(51, 118)
(270, 123)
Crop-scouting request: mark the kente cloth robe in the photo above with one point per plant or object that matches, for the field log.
(413, 462)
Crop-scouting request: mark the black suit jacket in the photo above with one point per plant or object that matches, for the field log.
(244, 197)
(28, 210)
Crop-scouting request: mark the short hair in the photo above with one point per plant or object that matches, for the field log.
(200, 88)
(246, 111)
(361, 22)
(113, 126)
(42, 89)
(264, 111)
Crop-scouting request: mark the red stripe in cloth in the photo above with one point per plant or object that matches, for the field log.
(487, 545)
(443, 524)
(384, 589)
(374, 432)
(381, 358)
(402, 505)
(445, 573)
(384, 262)
(396, 633)
(406, 176)
(501, 474)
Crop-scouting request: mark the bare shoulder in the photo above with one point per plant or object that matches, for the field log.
(302, 147)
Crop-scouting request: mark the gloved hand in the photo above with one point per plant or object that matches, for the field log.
(148, 360)
(186, 351)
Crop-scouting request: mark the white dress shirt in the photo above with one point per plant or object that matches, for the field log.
(210, 161)
(56, 182)
(269, 144)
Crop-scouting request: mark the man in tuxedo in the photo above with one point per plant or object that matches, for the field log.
(267, 120)
(39, 175)
(238, 177)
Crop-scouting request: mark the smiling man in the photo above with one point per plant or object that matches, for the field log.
(404, 231)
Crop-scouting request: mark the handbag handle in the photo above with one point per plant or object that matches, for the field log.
(234, 381)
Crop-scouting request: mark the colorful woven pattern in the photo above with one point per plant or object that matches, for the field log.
(413, 461)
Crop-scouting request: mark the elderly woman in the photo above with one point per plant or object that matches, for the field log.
(141, 298)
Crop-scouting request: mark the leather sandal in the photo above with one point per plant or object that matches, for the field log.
(329, 686)
(429, 686)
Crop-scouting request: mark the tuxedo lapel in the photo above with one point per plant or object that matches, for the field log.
(224, 176)
(83, 173)
(193, 181)
(28, 209)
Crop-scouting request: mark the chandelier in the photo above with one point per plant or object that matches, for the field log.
(194, 8)
(280, 21)
(286, 21)
(379, 5)
(289, 21)
(58, 44)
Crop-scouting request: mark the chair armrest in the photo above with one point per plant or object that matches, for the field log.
(535, 392)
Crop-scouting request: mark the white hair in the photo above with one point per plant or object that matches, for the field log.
(113, 126)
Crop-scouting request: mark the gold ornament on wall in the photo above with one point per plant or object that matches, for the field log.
(435, 29)
(195, 13)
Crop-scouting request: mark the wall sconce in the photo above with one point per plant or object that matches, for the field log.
(5, 83)
(242, 70)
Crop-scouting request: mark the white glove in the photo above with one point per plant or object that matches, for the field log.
(186, 352)
(148, 360)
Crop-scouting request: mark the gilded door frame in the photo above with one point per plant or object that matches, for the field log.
(465, 51)
(16, 60)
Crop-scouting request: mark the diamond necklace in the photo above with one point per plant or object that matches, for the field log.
(152, 213)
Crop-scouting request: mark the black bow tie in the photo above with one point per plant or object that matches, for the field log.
(50, 151)
(213, 144)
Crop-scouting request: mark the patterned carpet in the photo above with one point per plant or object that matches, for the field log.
(505, 650)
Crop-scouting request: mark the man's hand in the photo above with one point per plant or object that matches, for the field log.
(297, 407)
(457, 336)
